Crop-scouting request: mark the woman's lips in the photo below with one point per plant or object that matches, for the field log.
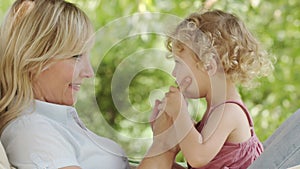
(75, 87)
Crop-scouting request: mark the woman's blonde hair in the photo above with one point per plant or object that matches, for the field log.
(218, 34)
(33, 33)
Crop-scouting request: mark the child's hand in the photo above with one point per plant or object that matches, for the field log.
(174, 101)
(154, 115)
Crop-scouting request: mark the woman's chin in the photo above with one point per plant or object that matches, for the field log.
(70, 102)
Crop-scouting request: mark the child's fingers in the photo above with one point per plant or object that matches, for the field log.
(185, 83)
(155, 112)
(173, 89)
(161, 105)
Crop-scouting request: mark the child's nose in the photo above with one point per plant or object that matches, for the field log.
(174, 73)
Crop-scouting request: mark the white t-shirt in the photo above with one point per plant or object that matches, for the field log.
(53, 136)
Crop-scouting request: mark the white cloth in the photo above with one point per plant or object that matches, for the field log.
(4, 164)
(52, 136)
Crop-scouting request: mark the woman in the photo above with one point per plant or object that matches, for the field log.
(44, 52)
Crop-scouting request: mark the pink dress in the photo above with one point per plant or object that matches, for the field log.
(234, 155)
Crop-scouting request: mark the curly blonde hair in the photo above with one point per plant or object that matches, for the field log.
(219, 34)
(33, 33)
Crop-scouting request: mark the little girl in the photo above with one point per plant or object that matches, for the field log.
(214, 52)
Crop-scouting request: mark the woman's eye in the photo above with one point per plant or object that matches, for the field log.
(77, 57)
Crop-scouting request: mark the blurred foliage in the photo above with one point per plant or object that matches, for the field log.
(118, 51)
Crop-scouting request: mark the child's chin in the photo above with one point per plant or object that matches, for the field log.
(190, 95)
(187, 95)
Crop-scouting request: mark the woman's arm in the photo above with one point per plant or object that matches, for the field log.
(71, 167)
(164, 160)
(164, 148)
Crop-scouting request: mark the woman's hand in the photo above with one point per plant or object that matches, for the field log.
(160, 154)
(164, 135)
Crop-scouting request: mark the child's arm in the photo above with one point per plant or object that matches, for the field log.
(198, 149)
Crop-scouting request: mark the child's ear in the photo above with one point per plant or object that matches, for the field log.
(211, 67)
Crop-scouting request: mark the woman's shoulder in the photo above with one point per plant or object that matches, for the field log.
(32, 130)
(28, 120)
(26, 126)
(32, 137)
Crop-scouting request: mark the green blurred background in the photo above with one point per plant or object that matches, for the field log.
(102, 101)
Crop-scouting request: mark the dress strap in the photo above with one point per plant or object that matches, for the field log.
(201, 124)
(244, 108)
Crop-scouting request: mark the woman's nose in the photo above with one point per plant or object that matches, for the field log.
(87, 71)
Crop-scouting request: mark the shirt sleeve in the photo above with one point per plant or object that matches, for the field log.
(33, 142)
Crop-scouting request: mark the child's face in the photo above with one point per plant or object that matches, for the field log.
(186, 66)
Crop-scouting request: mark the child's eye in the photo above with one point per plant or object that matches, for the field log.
(177, 61)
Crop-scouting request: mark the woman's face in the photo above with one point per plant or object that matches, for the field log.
(61, 81)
